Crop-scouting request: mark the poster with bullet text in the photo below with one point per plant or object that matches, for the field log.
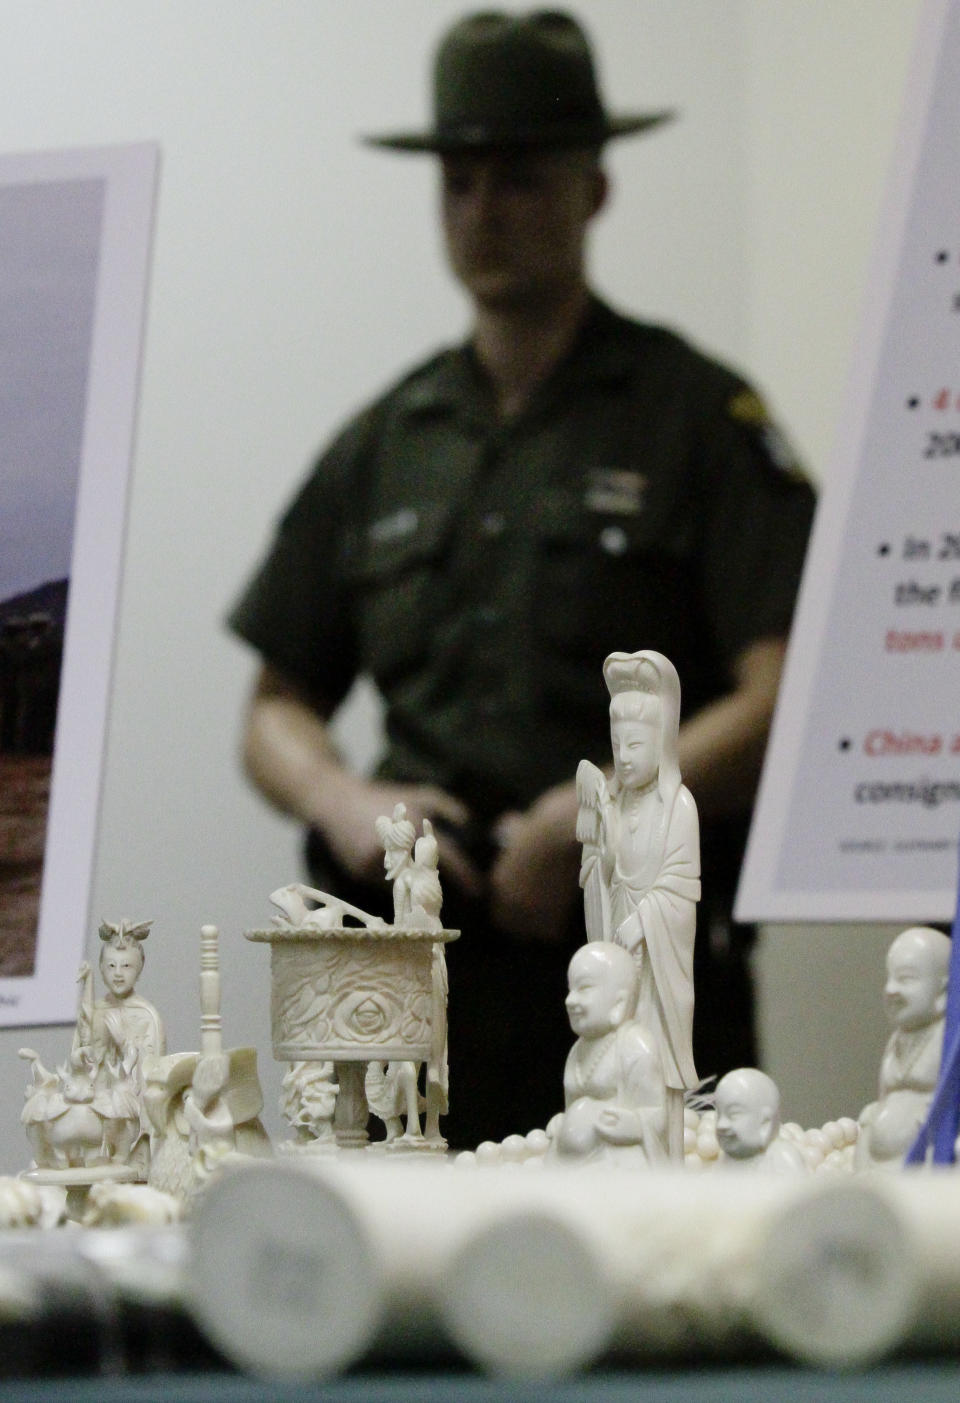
(858, 815)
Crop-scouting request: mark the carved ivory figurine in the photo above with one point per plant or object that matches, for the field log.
(89, 1113)
(748, 1124)
(641, 861)
(80, 1116)
(411, 864)
(613, 1086)
(915, 996)
(308, 1099)
(203, 1106)
(123, 1020)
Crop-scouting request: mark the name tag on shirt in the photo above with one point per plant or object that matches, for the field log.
(617, 491)
(394, 527)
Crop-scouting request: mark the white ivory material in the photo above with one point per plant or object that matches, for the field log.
(24, 1204)
(85, 1120)
(80, 1116)
(281, 1274)
(356, 1010)
(402, 1256)
(308, 1099)
(850, 1247)
(915, 998)
(928, 1203)
(129, 1205)
(393, 1096)
(327, 912)
(747, 1105)
(640, 872)
(838, 1277)
(526, 1293)
(96, 1269)
(614, 1094)
(379, 1240)
(412, 865)
(203, 1107)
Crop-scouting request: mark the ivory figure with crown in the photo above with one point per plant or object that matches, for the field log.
(640, 870)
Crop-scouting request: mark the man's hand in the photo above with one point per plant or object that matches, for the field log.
(290, 757)
(354, 804)
(533, 883)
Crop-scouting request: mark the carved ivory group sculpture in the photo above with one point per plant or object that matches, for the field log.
(641, 863)
(358, 1008)
(121, 1111)
(85, 1121)
(915, 996)
(631, 986)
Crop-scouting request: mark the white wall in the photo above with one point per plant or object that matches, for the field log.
(295, 272)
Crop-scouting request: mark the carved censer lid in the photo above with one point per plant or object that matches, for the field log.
(279, 935)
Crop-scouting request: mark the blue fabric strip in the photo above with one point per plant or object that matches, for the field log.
(939, 1130)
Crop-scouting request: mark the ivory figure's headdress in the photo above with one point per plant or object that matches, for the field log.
(397, 834)
(124, 935)
(631, 672)
(652, 674)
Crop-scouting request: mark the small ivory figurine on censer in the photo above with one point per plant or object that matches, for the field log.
(640, 872)
(412, 865)
(915, 996)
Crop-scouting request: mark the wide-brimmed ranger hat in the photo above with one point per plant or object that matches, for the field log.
(508, 81)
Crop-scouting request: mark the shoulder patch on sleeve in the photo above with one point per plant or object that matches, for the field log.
(747, 408)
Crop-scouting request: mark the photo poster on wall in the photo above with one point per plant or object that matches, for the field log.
(75, 237)
(858, 813)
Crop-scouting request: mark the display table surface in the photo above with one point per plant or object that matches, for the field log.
(937, 1382)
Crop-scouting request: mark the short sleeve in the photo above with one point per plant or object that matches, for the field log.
(757, 515)
(295, 609)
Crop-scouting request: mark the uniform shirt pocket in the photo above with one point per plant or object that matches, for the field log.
(392, 578)
(605, 580)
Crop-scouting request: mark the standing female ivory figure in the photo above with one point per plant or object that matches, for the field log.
(640, 871)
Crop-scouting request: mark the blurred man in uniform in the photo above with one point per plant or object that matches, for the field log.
(566, 484)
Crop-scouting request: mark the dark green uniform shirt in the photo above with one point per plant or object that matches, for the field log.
(482, 571)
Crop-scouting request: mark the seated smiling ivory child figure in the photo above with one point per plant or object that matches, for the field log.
(748, 1124)
(613, 1081)
(915, 995)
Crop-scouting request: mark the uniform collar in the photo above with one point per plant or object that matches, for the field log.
(454, 382)
(601, 351)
